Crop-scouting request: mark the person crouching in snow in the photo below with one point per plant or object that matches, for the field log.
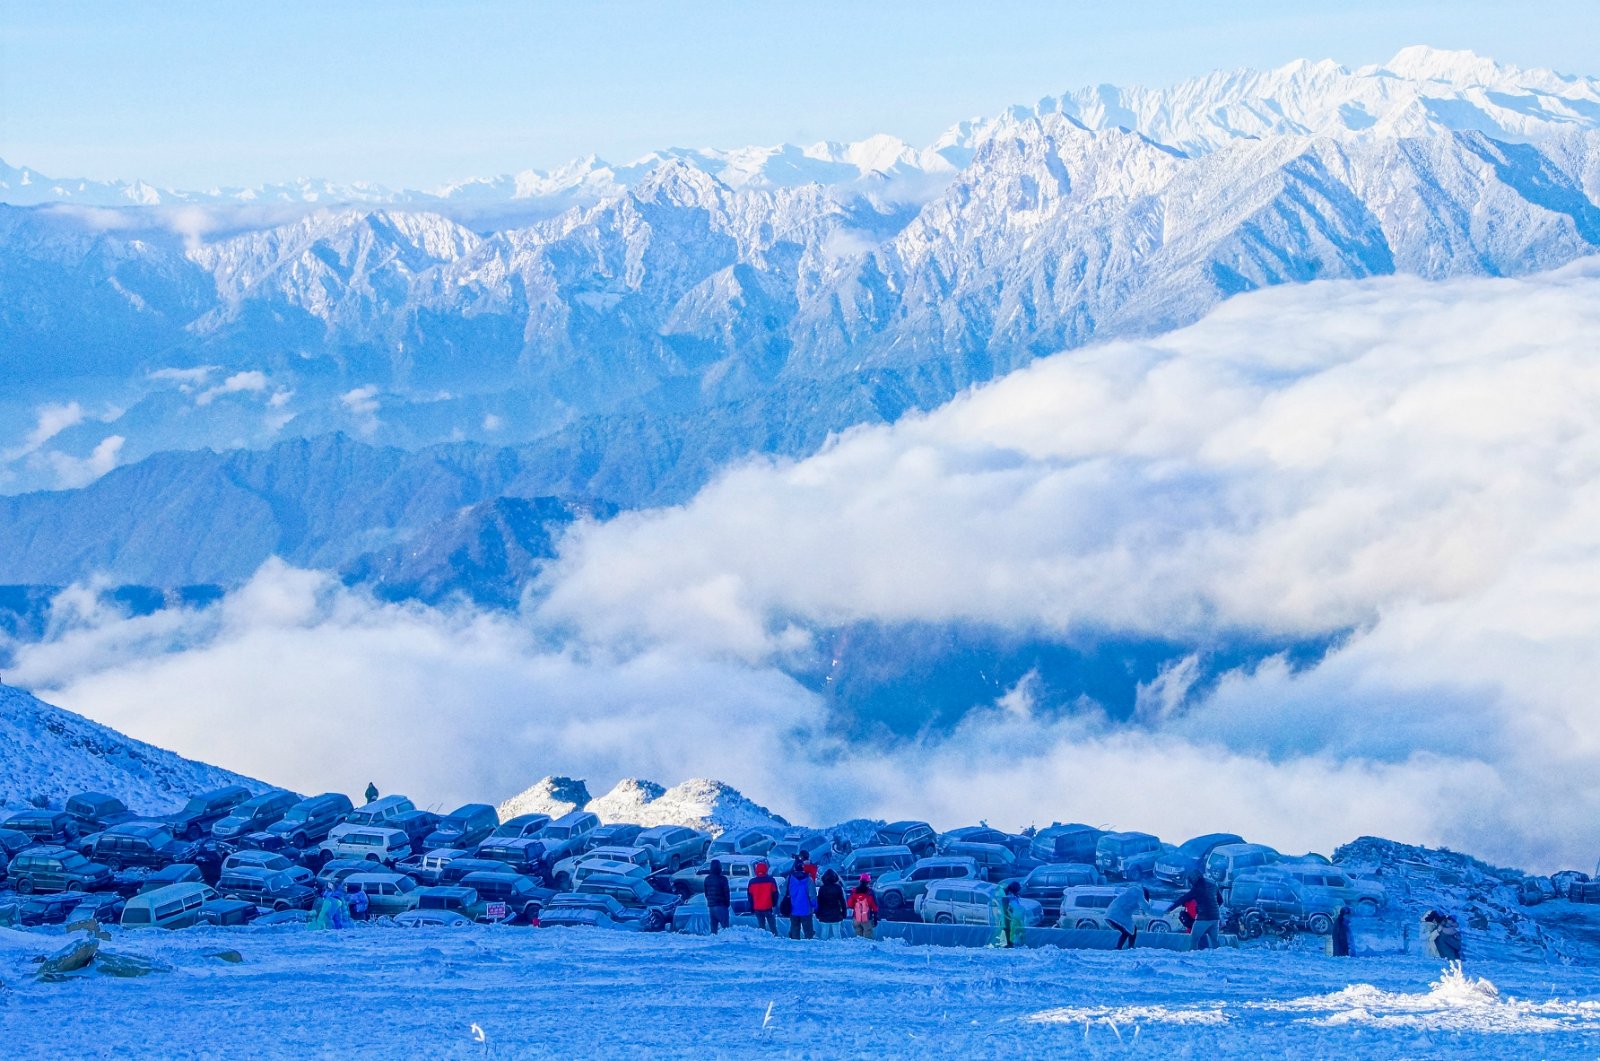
(863, 907)
(801, 902)
(830, 907)
(764, 899)
(1124, 910)
(719, 897)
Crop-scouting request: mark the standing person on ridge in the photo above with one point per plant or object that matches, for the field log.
(863, 907)
(372, 791)
(830, 907)
(802, 902)
(1207, 912)
(1124, 909)
(719, 897)
(764, 899)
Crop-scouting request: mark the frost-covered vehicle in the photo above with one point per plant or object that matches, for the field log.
(1230, 860)
(94, 811)
(524, 854)
(655, 908)
(616, 834)
(148, 844)
(227, 913)
(521, 827)
(380, 812)
(417, 825)
(173, 906)
(462, 902)
(458, 868)
(310, 820)
(1178, 866)
(105, 907)
(370, 843)
(626, 861)
(1322, 882)
(388, 893)
(818, 848)
(673, 846)
(918, 836)
(36, 911)
(177, 873)
(579, 910)
(56, 869)
(691, 880)
(52, 827)
(335, 870)
(1127, 856)
(968, 902)
(268, 861)
(522, 897)
(754, 840)
(1085, 907)
(415, 918)
(899, 890)
(467, 826)
(995, 862)
(1257, 902)
(875, 861)
(197, 816)
(13, 841)
(264, 887)
(427, 866)
(1070, 843)
(1044, 884)
(254, 815)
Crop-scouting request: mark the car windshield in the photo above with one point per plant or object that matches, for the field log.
(73, 861)
(558, 832)
(279, 882)
(297, 814)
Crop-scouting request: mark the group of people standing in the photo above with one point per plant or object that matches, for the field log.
(340, 909)
(816, 908)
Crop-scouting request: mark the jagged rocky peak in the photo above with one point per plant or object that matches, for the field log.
(554, 796)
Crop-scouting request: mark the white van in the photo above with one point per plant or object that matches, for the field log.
(387, 846)
(380, 811)
(175, 906)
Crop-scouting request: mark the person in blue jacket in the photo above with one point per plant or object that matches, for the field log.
(802, 902)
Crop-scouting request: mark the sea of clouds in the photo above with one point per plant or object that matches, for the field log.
(1410, 465)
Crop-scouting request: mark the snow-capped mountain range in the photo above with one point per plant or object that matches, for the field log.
(701, 306)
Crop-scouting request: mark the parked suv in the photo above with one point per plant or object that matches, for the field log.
(1229, 860)
(312, 819)
(265, 887)
(875, 861)
(898, 891)
(94, 811)
(755, 840)
(197, 816)
(525, 854)
(967, 902)
(918, 836)
(388, 894)
(1127, 856)
(691, 880)
(995, 863)
(373, 843)
(1259, 901)
(1339, 888)
(1045, 884)
(380, 811)
(634, 893)
(1085, 907)
(673, 846)
(1072, 843)
(466, 826)
(523, 898)
(626, 861)
(45, 826)
(56, 869)
(1179, 866)
(254, 815)
(148, 844)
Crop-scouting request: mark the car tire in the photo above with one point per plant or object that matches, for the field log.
(280, 906)
(944, 919)
(893, 900)
(1252, 924)
(1321, 924)
(24, 886)
(112, 863)
(674, 864)
(1368, 907)
(300, 840)
(654, 922)
(1088, 922)
(374, 858)
(1157, 926)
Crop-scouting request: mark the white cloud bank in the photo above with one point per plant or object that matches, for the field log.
(1417, 462)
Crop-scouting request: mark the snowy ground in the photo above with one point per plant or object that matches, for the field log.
(593, 994)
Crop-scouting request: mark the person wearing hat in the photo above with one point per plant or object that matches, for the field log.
(863, 907)
(831, 907)
(764, 899)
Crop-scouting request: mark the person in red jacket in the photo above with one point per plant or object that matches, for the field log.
(764, 899)
(863, 906)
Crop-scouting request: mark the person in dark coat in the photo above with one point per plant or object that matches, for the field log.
(764, 899)
(719, 897)
(1207, 912)
(830, 907)
(802, 902)
(372, 791)
(1343, 932)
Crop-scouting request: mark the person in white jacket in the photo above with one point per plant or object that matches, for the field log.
(1124, 909)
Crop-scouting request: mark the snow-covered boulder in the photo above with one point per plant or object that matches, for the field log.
(48, 754)
(554, 796)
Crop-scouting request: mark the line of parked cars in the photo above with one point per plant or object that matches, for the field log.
(230, 856)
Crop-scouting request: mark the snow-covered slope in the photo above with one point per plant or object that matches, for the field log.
(48, 754)
(697, 803)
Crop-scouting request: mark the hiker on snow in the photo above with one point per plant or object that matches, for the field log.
(719, 897)
(800, 902)
(764, 899)
(372, 791)
(1207, 912)
(830, 907)
(863, 907)
(1123, 911)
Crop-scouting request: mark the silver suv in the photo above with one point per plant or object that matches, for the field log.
(674, 846)
(968, 902)
(899, 890)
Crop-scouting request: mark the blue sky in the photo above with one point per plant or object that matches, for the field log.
(413, 93)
